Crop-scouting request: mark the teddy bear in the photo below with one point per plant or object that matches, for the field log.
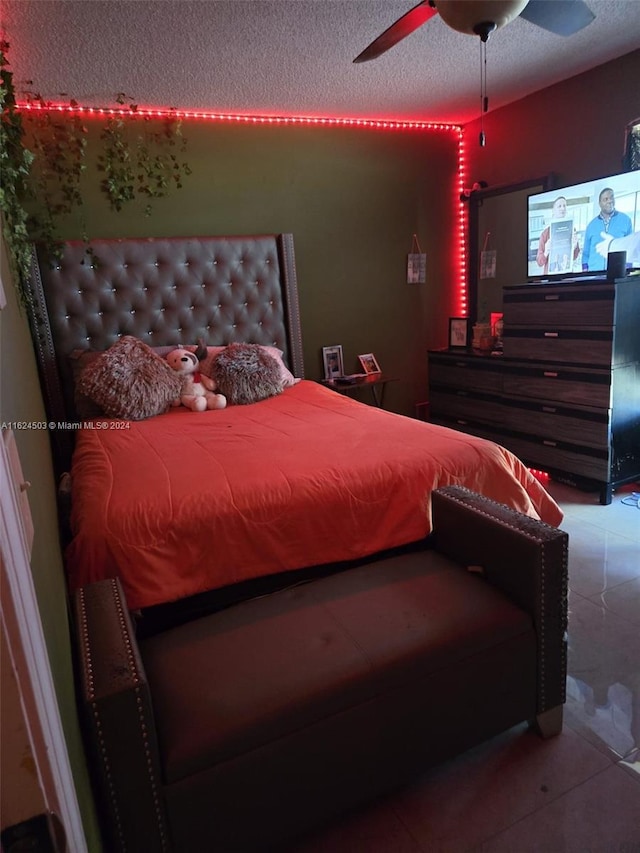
(198, 390)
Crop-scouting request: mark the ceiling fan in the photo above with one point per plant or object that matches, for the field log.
(482, 17)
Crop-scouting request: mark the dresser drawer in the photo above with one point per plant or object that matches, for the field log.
(489, 431)
(591, 305)
(580, 385)
(474, 374)
(553, 343)
(545, 454)
(452, 403)
(582, 425)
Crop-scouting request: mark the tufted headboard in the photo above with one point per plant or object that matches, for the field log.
(165, 291)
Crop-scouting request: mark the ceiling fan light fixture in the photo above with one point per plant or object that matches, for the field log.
(474, 16)
(484, 30)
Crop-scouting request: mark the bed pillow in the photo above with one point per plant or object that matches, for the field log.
(80, 359)
(246, 373)
(129, 381)
(85, 408)
(287, 378)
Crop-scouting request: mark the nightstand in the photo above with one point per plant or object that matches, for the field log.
(376, 383)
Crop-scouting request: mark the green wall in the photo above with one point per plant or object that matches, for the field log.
(353, 198)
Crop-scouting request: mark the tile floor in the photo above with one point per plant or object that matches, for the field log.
(576, 793)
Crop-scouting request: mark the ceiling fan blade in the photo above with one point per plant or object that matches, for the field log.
(403, 27)
(562, 17)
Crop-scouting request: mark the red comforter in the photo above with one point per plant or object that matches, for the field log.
(186, 502)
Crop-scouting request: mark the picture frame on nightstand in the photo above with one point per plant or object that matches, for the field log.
(333, 362)
(369, 363)
(459, 332)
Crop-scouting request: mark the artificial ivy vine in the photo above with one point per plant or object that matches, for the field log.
(139, 158)
(58, 142)
(15, 165)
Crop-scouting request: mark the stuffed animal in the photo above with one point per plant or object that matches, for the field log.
(198, 390)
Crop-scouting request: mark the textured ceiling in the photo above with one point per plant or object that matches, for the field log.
(293, 57)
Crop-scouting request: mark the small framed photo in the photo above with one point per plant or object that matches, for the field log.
(459, 332)
(333, 362)
(369, 363)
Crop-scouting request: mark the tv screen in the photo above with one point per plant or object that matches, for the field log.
(572, 229)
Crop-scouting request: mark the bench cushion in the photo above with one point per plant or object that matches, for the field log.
(236, 680)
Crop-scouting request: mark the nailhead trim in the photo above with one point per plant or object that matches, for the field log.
(102, 746)
(541, 541)
(131, 661)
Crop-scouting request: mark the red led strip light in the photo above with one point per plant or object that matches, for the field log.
(146, 112)
(463, 220)
(382, 124)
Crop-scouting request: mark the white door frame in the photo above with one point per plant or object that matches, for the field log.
(27, 648)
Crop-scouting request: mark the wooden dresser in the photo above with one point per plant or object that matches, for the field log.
(565, 394)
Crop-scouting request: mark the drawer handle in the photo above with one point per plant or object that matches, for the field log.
(549, 409)
(464, 423)
(551, 373)
(550, 296)
(461, 364)
(551, 334)
(550, 443)
(462, 393)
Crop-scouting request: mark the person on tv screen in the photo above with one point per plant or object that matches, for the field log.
(546, 249)
(608, 223)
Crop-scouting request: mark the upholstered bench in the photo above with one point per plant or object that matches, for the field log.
(246, 728)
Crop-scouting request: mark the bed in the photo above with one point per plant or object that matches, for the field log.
(184, 503)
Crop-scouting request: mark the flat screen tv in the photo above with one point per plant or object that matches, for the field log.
(572, 229)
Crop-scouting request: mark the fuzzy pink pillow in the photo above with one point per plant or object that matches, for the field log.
(246, 373)
(129, 381)
(207, 365)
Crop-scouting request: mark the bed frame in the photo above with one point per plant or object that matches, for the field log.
(165, 291)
